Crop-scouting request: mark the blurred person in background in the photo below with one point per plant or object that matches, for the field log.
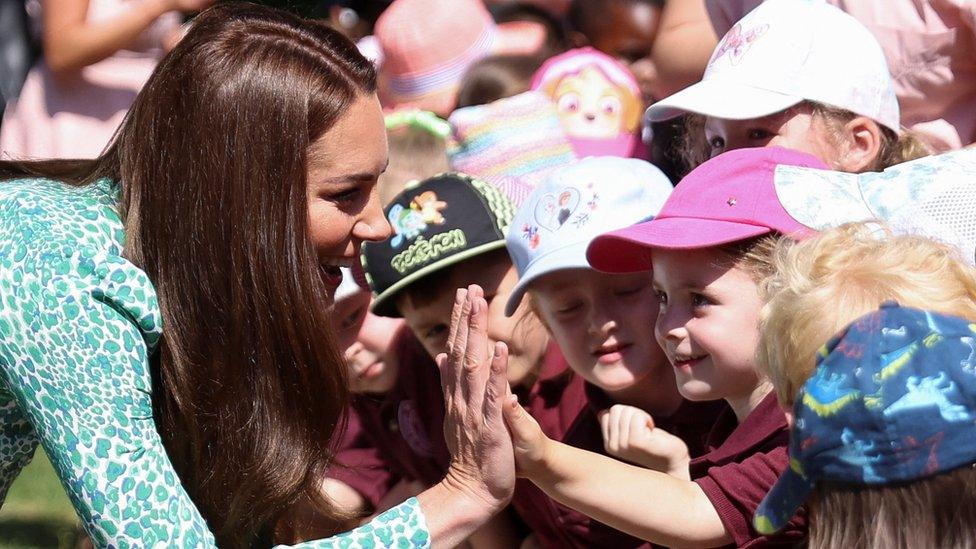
(97, 56)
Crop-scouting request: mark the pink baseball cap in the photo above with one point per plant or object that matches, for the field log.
(428, 45)
(731, 197)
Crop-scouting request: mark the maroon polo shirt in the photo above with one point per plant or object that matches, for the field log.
(742, 464)
(397, 435)
(567, 410)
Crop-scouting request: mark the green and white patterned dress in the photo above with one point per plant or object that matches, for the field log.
(77, 324)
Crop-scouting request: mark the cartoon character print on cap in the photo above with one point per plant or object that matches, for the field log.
(737, 42)
(597, 100)
(555, 210)
(408, 223)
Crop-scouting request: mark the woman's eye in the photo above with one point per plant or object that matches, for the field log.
(345, 196)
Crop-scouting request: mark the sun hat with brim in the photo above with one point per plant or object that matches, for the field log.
(428, 45)
(785, 52)
(552, 229)
(892, 400)
(934, 196)
(726, 199)
(437, 223)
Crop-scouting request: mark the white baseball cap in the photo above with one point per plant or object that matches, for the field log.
(575, 204)
(933, 196)
(785, 52)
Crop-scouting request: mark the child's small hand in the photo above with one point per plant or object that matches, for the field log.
(629, 434)
(531, 445)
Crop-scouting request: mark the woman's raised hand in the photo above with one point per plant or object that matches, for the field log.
(473, 376)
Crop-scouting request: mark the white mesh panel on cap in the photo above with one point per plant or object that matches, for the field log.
(949, 217)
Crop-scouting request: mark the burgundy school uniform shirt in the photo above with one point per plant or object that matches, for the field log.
(742, 464)
(397, 435)
(567, 409)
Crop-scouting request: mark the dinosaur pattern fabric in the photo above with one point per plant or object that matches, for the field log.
(77, 324)
(893, 399)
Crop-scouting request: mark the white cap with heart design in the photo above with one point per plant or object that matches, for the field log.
(575, 204)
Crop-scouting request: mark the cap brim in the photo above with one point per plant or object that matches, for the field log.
(518, 38)
(570, 257)
(626, 250)
(384, 304)
(821, 199)
(782, 502)
(721, 99)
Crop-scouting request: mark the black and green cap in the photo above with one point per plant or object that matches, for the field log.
(437, 223)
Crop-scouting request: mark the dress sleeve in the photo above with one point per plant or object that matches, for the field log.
(78, 327)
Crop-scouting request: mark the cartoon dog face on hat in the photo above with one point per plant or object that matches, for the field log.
(596, 97)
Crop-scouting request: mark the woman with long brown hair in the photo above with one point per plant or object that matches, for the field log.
(164, 328)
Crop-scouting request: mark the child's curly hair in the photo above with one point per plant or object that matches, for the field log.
(821, 285)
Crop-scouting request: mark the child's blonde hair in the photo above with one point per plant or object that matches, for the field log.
(416, 153)
(895, 149)
(821, 285)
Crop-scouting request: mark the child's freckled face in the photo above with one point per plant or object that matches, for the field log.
(707, 323)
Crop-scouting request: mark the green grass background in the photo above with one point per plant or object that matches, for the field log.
(37, 513)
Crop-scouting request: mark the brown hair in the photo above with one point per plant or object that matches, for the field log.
(934, 512)
(497, 77)
(211, 160)
(895, 149)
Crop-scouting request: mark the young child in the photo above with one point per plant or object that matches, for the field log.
(449, 233)
(622, 29)
(378, 463)
(497, 77)
(706, 281)
(824, 283)
(600, 323)
(796, 74)
(882, 445)
(418, 150)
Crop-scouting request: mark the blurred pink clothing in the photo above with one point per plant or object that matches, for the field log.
(931, 50)
(75, 116)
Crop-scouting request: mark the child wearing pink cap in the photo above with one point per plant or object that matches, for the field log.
(705, 249)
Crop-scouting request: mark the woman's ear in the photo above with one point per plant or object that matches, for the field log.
(862, 145)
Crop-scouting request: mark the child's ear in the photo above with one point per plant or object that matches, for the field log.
(862, 138)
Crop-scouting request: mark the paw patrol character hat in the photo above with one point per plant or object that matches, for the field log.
(592, 196)
(598, 102)
(437, 222)
(785, 52)
(893, 399)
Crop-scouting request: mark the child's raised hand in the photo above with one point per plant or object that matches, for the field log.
(531, 445)
(629, 434)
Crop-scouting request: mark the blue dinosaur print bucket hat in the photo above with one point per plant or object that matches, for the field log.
(893, 399)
